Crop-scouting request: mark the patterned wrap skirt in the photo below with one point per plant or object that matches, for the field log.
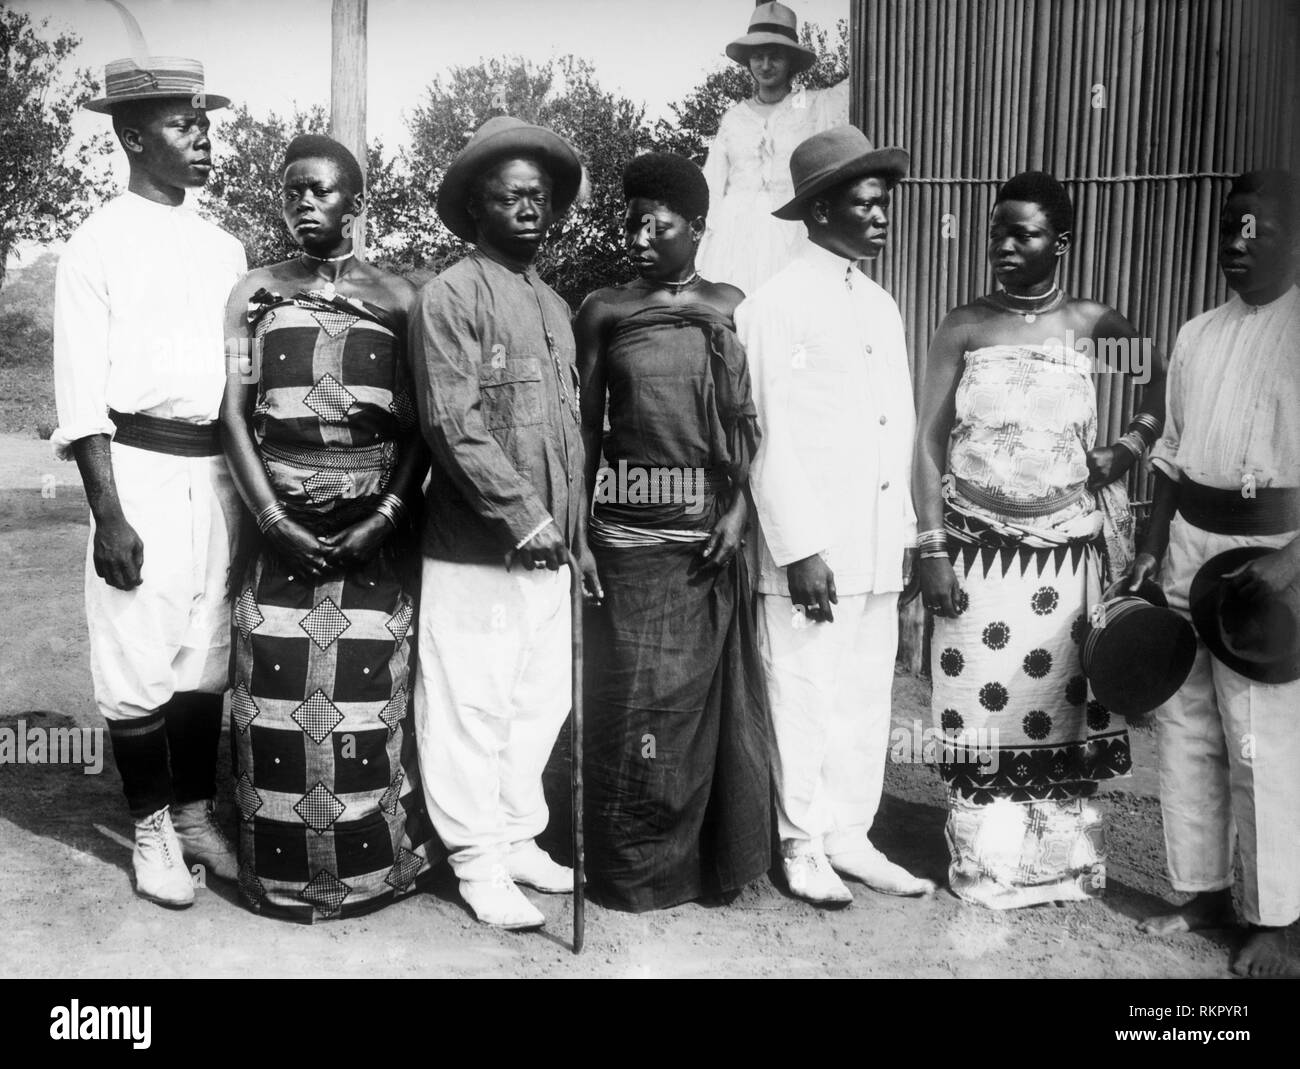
(1024, 742)
(327, 783)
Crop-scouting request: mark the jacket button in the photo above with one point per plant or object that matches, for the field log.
(867, 348)
(884, 420)
(885, 485)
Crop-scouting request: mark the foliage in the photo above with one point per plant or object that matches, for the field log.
(47, 186)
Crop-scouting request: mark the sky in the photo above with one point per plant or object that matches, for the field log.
(275, 54)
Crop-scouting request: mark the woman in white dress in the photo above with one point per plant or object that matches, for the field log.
(748, 166)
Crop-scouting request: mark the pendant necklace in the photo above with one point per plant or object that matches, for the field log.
(1032, 307)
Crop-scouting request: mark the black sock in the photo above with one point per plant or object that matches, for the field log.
(193, 733)
(140, 753)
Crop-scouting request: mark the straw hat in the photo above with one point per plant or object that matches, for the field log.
(834, 156)
(773, 24)
(1137, 651)
(155, 78)
(503, 137)
(1258, 637)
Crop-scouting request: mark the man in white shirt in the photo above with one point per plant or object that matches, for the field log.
(139, 369)
(836, 526)
(1228, 476)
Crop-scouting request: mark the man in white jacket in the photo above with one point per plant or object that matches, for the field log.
(836, 526)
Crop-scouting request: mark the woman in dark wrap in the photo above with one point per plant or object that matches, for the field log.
(676, 717)
(320, 432)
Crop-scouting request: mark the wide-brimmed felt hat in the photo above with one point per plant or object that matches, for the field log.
(1257, 637)
(834, 156)
(503, 137)
(1136, 651)
(155, 78)
(773, 24)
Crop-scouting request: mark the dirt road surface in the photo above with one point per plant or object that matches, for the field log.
(70, 910)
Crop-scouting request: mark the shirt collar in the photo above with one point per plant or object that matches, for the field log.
(1280, 303)
(144, 204)
(832, 263)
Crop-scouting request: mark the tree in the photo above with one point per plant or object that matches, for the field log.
(585, 250)
(46, 184)
(243, 194)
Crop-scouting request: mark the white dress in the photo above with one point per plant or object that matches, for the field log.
(748, 171)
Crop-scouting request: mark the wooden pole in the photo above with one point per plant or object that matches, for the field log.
(348, 90)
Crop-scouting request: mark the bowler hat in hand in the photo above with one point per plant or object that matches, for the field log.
(1257, 637)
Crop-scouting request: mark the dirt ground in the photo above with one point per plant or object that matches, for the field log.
(70, 910)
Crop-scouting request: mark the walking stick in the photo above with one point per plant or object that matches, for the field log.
(575, 750)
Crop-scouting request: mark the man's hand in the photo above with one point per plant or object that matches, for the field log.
(355, 545)
(1144, 567)
(1266, 577)
(1106, 464)
(118, 554)
(812, 585)
(940, 590)
(546, 549)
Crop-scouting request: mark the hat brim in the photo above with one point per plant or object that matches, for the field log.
(891, 163)
(1204, 600)
(105, 105)
(555, 153)
(1140, 658)
(740, 48)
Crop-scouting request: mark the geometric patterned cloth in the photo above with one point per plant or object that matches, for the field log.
(332, 821)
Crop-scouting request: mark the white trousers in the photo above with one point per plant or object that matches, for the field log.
(492, 691)
(1229, 751)
(171, 633)
(830, 686)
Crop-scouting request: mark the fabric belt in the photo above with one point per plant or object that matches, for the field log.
(174, 437)
(1273, 509)
(378, 457)
(1023, 509)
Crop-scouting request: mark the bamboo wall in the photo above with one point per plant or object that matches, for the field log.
(1145, 109)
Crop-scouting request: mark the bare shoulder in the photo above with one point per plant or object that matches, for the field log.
(723, 296)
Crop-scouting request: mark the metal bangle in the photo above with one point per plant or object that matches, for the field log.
(274, 513)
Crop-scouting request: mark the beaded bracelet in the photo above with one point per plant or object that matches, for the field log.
(532, 534)
(274, 513)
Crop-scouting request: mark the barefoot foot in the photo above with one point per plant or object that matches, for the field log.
(1209, 909)
(1264, 955)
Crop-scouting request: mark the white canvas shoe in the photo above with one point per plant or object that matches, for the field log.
(531, 865)
(810, 877)
(202, 839)
(160, 872)
(500, 903)
(868, 865)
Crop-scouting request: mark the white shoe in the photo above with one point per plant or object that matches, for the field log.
(868, 865)
(160, 872)
(500, 903)
(531, 865)
(810, 877)
(202, 839)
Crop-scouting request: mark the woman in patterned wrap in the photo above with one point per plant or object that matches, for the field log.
(321, 437)
(677, 791)
(1022, 521)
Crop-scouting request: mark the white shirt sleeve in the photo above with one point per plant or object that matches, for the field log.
(81, 326)
(795, 524)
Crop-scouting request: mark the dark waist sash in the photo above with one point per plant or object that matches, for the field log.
(171, 436)
(1273, 510)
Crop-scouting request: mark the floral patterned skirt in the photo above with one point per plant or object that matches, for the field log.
(1024, 743)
